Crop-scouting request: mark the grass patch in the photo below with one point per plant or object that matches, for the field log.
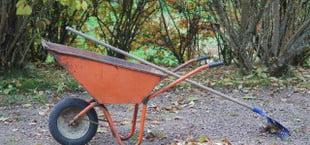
(34, 83)
(11, 99)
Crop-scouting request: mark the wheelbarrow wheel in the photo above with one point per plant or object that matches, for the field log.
(78, 133)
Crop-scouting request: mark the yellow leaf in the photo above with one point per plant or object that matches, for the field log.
(23, 9)
(20, 3)
(100, 130)
(226, 80)
(191, 5)
(77, 4)
(84, 5)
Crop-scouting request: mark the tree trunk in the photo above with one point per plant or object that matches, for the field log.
(288, 36)
(239, 34)
(276, 38)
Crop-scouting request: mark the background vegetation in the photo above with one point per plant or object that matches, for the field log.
(272, 34)
(263, 37)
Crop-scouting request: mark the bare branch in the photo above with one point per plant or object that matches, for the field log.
(276, 27)
(301, 33)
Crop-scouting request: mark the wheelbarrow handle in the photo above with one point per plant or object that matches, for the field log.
(191, 61)
(215, 64)
(182, 78)
(203, 57)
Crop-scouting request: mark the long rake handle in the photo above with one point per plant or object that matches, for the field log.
(158, 67)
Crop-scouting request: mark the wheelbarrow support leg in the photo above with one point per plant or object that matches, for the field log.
(111, 124)
(134, 121)
(143, 116)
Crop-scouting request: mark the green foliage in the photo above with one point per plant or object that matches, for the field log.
(49, 59)
(180, 28)
(307, 63)
(25, 22)
(160, 55)
(23, 7)
(75, 5)
(156, 55)
(120, 25)
(155, 26)
(121, 22)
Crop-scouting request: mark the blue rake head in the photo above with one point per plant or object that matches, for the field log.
(279, 129)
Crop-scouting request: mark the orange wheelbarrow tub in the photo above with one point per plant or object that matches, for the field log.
(109, 80)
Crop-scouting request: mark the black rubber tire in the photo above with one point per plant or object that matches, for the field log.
(80, 133)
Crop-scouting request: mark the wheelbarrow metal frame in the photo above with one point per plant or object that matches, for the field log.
(114, 131)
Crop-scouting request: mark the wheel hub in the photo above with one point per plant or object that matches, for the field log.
(75, 128)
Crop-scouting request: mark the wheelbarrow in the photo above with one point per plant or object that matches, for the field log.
(110, 80)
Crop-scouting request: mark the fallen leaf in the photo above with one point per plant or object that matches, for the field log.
(203, 138)
(16, 139)
(2, 118)
(192, 99)
(172, 109)
(155, 135)
(180, 100)
(100, 130)
(27, 105)
(41, 113)
(248, 97)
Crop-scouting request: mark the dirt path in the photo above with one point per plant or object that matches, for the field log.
(175, 117)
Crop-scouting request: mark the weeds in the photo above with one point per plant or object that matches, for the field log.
(11, 99)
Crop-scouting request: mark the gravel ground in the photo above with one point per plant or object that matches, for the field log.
(177, 116)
